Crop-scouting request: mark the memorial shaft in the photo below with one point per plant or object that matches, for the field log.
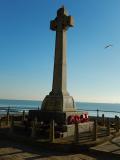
(60, 25)
(59, 75)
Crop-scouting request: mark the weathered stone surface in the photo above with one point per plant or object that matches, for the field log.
(59, 99)
(58, 103)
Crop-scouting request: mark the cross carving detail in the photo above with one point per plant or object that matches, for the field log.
(62, 21)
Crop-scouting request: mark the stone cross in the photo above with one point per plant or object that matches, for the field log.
(62, 21)
(59, 99)
(60, 24)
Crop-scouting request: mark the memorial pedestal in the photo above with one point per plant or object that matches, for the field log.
(58, 104)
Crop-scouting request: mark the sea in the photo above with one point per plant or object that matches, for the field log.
(93, 109)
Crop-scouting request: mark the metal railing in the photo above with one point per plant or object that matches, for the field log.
(91, 112)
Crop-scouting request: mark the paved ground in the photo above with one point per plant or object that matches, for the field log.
(14, 151)
(111, 147)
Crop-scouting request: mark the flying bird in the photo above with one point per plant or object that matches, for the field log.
(110, 45)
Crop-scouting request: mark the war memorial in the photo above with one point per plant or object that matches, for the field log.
(58, 124)
(59, 105)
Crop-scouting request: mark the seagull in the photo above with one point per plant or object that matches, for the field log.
(109, 45)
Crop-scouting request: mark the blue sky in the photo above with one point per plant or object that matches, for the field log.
(27, 49)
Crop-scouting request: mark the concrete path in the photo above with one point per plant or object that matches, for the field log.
(111, 147)
(15, 151)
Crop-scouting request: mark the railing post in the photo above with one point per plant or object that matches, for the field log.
(23, 116)
(0, 122)
(33, 133)
(12, 125)
(8, 116)
(76, 133)
(103, 119)
(97, 113)
(52, 131)
(95, 130)
(118, 120)
(108, 126)
(117, 123)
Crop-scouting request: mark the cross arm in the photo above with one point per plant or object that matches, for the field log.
(70, 21)
(53, 25)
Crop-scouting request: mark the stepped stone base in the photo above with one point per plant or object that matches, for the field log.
(58, 103)
(56, 108)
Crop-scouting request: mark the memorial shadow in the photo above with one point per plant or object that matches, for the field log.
(9, 149)
(32, 153)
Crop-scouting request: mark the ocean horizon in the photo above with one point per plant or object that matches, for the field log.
(17, 106)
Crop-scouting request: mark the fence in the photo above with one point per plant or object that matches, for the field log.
(92, 112)
(30, 128)
(99, 113)
(15, 110)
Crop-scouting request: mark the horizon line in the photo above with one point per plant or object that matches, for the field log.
(78, 101)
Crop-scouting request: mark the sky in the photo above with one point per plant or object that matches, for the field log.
(27, 49)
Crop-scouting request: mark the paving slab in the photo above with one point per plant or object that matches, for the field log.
(109, 147)
(14, 151)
